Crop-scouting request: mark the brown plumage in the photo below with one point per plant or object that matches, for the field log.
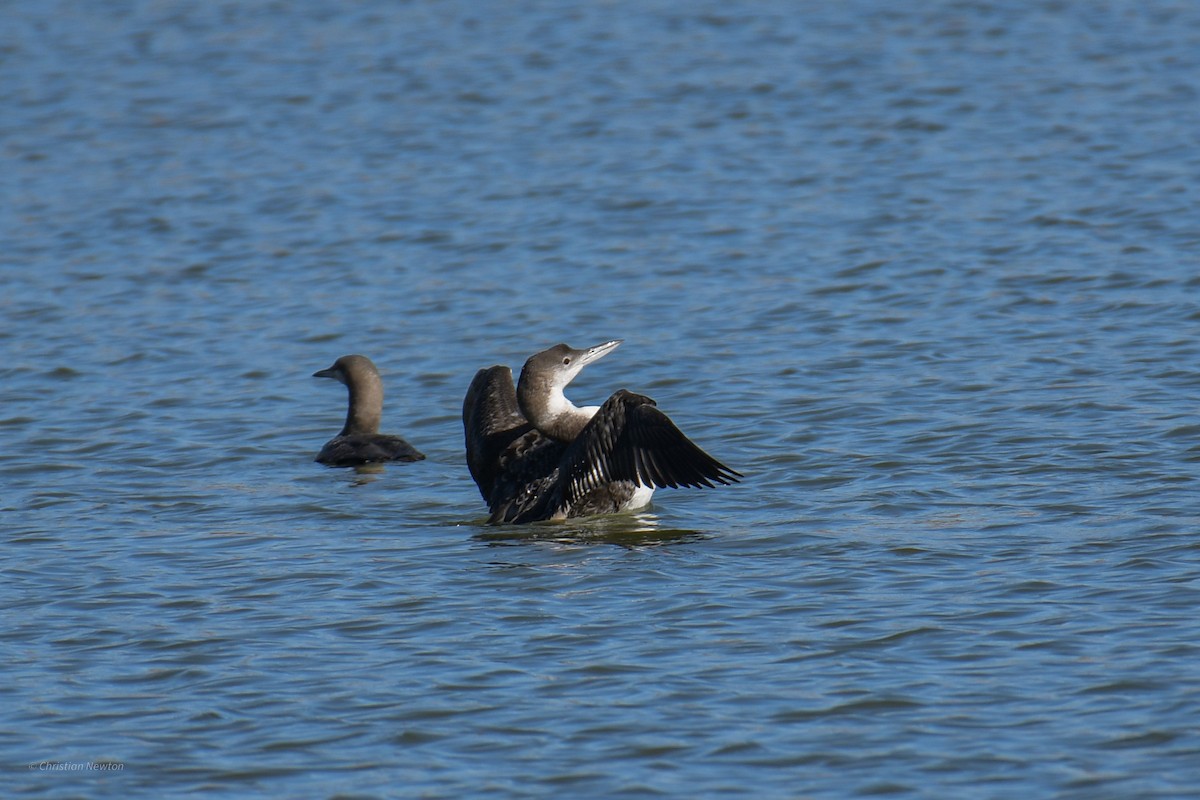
(360, 441)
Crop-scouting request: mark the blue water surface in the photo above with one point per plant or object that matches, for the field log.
(929, 275)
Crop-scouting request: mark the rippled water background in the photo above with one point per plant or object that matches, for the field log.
(928, 274)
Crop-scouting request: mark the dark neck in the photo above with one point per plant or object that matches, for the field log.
(366, 405)
(549, 410)
(566, 426)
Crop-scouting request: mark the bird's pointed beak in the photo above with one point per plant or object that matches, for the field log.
(598, 352)
(325, 373)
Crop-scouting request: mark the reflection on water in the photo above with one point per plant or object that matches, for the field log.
(631, 530)
(366, 473)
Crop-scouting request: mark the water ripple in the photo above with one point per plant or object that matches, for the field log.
(925, 275)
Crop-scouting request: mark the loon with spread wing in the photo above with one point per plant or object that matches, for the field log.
(537, 456)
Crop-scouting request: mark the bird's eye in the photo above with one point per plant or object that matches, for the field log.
(566, 360)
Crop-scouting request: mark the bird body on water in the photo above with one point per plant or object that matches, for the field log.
(360, 441)
(536, 456)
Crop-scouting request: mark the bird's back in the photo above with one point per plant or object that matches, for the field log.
(366, 448)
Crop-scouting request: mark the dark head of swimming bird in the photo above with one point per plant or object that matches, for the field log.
(360, 441)
(535, 455)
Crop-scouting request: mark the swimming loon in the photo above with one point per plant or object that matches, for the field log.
(360, 441)
(537, 456)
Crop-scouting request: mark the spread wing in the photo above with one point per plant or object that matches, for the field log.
(629, 439)
(513, 464)
(492, 421)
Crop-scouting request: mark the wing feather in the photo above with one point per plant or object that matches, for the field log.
(492, 421)
(515, 466)
(630, 439)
